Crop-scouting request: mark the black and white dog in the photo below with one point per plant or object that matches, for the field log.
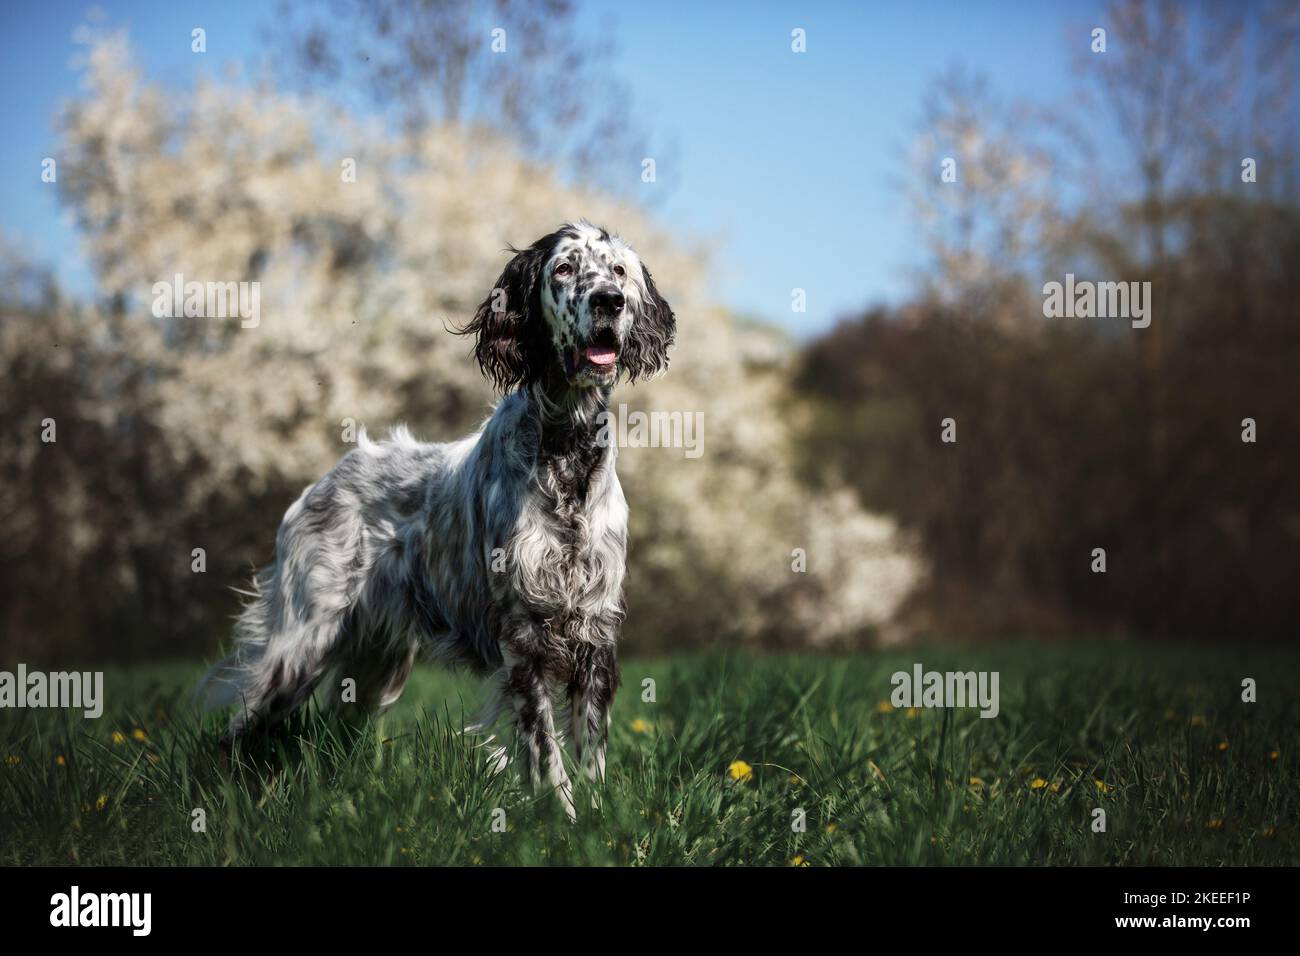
(504, 551)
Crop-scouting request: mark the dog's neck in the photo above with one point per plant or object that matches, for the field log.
(573, 434)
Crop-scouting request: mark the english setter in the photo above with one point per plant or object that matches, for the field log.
(504, 551)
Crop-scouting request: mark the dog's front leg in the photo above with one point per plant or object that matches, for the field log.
(530, 694)
(591, 691)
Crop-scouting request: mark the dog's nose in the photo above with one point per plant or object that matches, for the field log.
(607, 301)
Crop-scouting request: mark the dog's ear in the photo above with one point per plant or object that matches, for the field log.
(509, 328)
(645, 352)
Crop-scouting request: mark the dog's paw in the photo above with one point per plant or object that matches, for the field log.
(497, 761)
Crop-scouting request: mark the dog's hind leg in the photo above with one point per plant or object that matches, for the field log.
(303, 607)
(277, 661)
(380, 674)
(269, 683)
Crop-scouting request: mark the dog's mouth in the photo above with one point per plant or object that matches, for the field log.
(599, 357)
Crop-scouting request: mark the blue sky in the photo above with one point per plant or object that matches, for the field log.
(791, 161)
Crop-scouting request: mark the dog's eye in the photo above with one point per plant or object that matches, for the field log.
(620, 271)
(563, 269)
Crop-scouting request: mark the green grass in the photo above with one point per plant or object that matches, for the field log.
(878, 787)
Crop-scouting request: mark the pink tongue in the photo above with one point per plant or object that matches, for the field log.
(601, 356)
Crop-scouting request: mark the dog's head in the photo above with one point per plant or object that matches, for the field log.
(577, 304)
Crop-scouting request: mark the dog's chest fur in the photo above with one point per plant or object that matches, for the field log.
(566, 552)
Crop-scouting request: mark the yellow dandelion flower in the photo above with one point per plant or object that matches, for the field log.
(398, 829)
(1056, 786)
(1038, 783)
(1215, 824)
(403, 851)
(13, 760)
(1223, 745)
(119, 738)
(59, 761)
(832, 827)
(1268, 832)
(1273, 755)
(102, 802)
(640, 726)
(140, 735)
(884, 707)
(796, 780)
(976, 782)
(739, 770)
(1197, 720)
(1103, 786)
(799, 861)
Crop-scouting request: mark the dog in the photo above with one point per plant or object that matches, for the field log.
(504, 552)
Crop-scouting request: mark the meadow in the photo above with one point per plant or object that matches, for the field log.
(738, 760)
